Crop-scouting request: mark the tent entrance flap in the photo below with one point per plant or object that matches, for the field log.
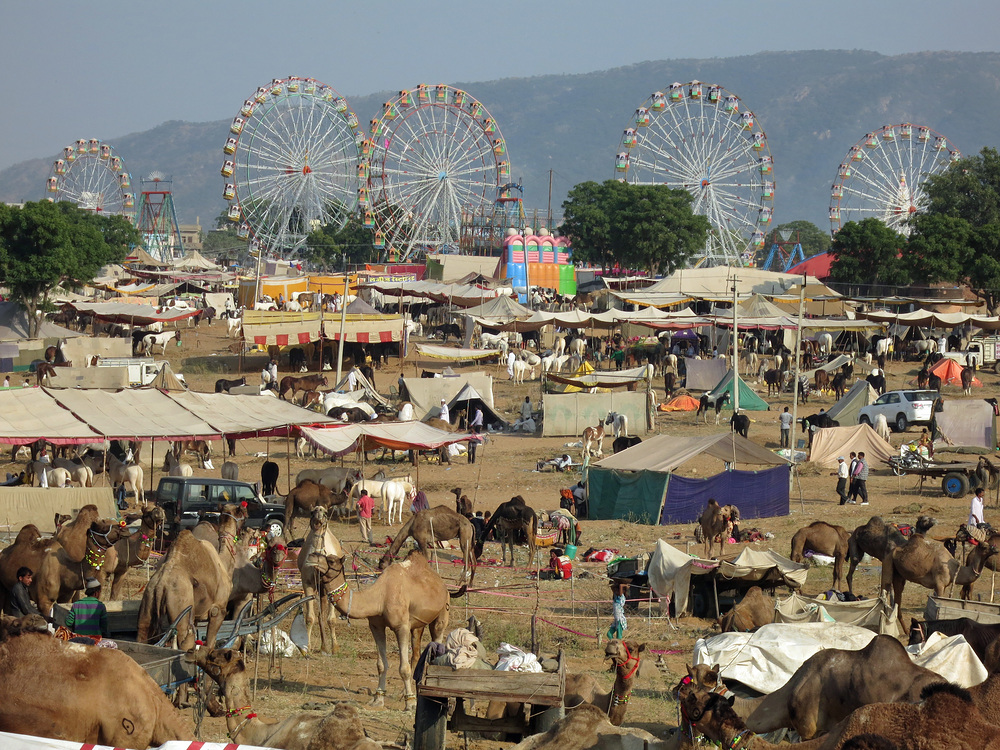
(635, 496)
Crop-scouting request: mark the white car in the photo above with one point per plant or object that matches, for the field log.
(901, 409)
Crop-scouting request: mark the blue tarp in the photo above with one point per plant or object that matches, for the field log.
(758, 494)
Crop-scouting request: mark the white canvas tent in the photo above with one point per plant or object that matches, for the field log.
(875, 614)
(968, 423)
(362, 384)
(426, 393)
(831, 442)
(846, 410)
(469, 398)
(670, 572)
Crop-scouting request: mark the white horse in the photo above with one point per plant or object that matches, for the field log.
(578, 346)
(560, 346)
(618, 422)
(593, 440)
(233, 324)
(54, 476)
(129, 474)
(394, 494)
(177, 469)
(159, 339)
(520, 368)
(825, 341)
(375, 488)
(82, 474)
(230, 471)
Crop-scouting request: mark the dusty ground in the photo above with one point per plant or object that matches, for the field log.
(505, 468)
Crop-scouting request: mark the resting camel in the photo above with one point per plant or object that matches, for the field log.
(340, 729)
(826, 539)
(754, 611)
(406, 598)
(511, 521)
(131, 552)
(319, 543)
(877, 539)
(83, 694)
(192, 575)
(305, 496)
(588, 727)
(932, 566)
(436, 524)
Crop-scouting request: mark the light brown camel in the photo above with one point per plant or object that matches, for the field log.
(192, 575)
(877, 539)
(436, 524)
(131, 552)
(716, 521)
(833, 682)
(588, 728)
(305, 496)
(931, 566)
(406, 598)
(58, 577)
(340, 729)
(319, 543)
(826, 539)
(83, 694)
(755, 610)
(253, 577)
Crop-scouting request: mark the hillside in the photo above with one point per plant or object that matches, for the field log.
(813, 106)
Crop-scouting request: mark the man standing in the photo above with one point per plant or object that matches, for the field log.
(976, 516)
(445, 415)
(851, 494)
(511, 359)
(861, 478)
(19, 602)
(842, 478)
(89, 616)
(526, 408)
(786, 428)
(476, 425)
(365, 506)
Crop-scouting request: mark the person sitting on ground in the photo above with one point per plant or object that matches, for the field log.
(89, 616)
(19, 601)
(560, 567)
(560, 463)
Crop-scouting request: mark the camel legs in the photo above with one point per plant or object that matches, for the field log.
(838, 570)
(404, 640)
(378, 633)
(216, 616)
(850, 575)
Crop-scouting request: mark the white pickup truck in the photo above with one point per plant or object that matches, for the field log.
(141, 370)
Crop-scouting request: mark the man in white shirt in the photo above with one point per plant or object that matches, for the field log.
(444, 412)
(976, 516)
(786, 428)
(526, 408)
(843, 474)
(476, 425)
(511, 359)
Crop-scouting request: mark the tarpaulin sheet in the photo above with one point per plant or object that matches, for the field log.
(273, 328)
(758, 494)
(455, 354)
(135, 414)
(634, 496)
(829, 443)
(667, 452)
(766, 659)
(246, 416)
(426, 394)
(27, 414)
(670, 572)
(604, 378)
(704, 374)
(395, 435)
(875, 614)
(82, 348)
(132, 314)
(756, 565)
(38, 505)
(572, 413)
(967, 423)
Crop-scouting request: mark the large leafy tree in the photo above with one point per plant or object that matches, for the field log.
(650, 227)
(45, 245)
(867, 254)
(957, 238)
(327, 248)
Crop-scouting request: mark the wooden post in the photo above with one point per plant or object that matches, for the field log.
(288, 460)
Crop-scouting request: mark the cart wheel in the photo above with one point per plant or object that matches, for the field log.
(431, 724)
(996, 367)
(955, 484)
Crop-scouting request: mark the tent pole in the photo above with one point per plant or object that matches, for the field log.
(798, 358)
(288, 461)
(343, 323)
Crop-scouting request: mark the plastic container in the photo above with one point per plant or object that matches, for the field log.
(571, 551)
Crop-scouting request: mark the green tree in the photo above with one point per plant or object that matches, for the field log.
(326, 248)
(867, 253)
(957, 238)
(651, 227)
(45, 245)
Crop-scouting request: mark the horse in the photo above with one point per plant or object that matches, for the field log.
(592, 436)
(223, 386)
(375, 488)
(618, 422)
(198, 448)
(159, 339)
(706, 402)
(968, 375)
(740, 423)
(394, 493)
(307, 383)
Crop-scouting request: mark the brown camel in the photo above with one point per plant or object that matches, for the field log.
(716, 521)
(588, 728)
(406, 598)
(876, 539)
(833, 682)
(340, 729)
(710, 678)
(826, 539)
(436, 524)
(83, 694)
(513, 523)
(305, 496)
(131, 552)
(755, 610)
(192, 575)
(931, 566)
(463, 505)
(254, 577)
(319, 543)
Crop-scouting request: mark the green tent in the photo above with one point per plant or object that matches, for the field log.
(749, 400)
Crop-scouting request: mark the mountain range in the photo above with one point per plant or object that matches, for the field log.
(813, 106)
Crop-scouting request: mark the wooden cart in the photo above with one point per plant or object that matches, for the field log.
(540, 694)
(942, 608)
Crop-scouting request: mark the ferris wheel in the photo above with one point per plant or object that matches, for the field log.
(90, 174)
(703, 139)
(292, 163)
(435, 153)
(882, 175)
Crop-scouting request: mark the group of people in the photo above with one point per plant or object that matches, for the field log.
(87, 617)
(852, 479)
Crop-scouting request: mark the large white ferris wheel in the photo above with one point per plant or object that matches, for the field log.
(292, 163)
(882, 175)
(703, 139)
(435, 154)
(90, 174)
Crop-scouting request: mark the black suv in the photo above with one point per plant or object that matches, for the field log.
(186, 499)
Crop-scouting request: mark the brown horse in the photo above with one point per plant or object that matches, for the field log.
(306, 383)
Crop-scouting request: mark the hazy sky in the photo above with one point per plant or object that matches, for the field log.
(103, 68)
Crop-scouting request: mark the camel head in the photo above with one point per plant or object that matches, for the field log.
(624, 655)
(232, 518)
(457, 492)
(62, 518)
(706, 711)
(705, 676)
(105, 532)
(276, 553)
(11, 627)
(318, 519)
(218, 663)
(331, 569)
(925, 523)
(154, 516)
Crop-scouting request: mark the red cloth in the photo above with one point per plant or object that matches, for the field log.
(365, 505)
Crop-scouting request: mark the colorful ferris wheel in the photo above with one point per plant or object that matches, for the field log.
(701, 138)
(292, 163)
(90, 174)
(883, 174)
(435, 154)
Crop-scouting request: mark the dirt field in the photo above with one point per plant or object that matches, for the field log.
(581, 609)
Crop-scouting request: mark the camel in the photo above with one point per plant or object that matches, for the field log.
(877, 539)
(251, 578)
(833, 682)
(931, 566)
(715, 521)
(131, 552)
(406, 598)
(319, 543)
(437, 524)
(305, 496)
(340, 729)
(192, 575)
(83, 694)
(463, 505)
(511, 520)
(826, 539)
(754, 611)
(588, 727)
(710, 678)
